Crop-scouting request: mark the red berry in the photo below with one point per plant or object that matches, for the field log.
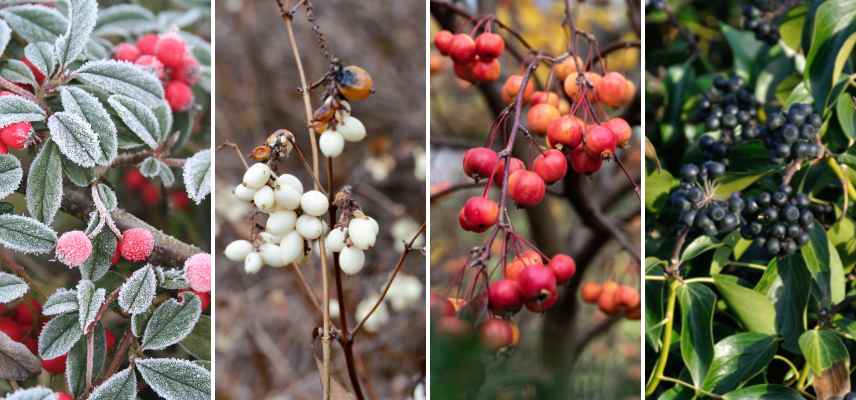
(519, 263)
(137, 244)
(489, 46)
(27, 312)
(512, 87)
(590, 292)
(540, 116)
(537, 282)
(599, 141)
(563, 266)
(610, 89)
(148, 43)
(16, 135)
(134, 180)
(539, 305)
(117, 255)
(551, 166)
(3, 148)
(516, 165)
(544, 97)
(486, 71)
(621, 129)
(204, 298)
(40, 77)
(496, 334)
(109, 339)
(151, 64)
(526, 188)
(465, 71)
(188, 71)
(73, 248)
(504, 297)
(180, 200)
(479, 162)
(453, 326)
(628, 297)
(607, 301)
(31, 344)
(179, 96)
(567, 131)
(480, 214)
(126, 52)
(583, 163)
(151, 194)
(443, 41)
(55, 365)
(11, 329)
(463, 49)
(64, 396)
(170, 50)
(441, 306)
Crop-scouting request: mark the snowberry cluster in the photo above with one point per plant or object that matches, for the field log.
(756, 19)
(694, 206)
(475, 60)
(792, 136)
(16, 135)
(730, 108)
(779, 221)
(613, 298)
(167, 56)
(337, 126)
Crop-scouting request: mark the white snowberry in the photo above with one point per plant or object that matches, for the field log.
(351, 129)
(291, 247)
(335, 240)
(281, 222)
(287, 198)
(238, 250)
(271, 255)
(257, 176)
(331, 143)
(264, 199)
(310, 227)
(405, 291)
(351, 260)
(244, 193)
(253, 263)
(268, 237)
(314, 203)
(290, 181)
(362, 233)
(334, 308)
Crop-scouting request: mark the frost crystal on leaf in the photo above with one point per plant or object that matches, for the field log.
(172, 322)
(164, 115)
(11, 287)
(75, 138)
(79, 176)
(36, 393)
(18, 109)
(82, 16)
(75, 368)
(62, 301)
(172, 279)
(41, 55)
(35, 23)
(124, 19)
(103, 247)
(123, 78)
(122, 386)
(18, 72)
(89, 300)
(175, 379)
(150, 167)
(197, 175)
(5, 36)
(59, 335)
(138, 292)
(16, 361)
(137, 117)
(26, 235)
(78, 101)
(44, 183)
(138, 323)
(10, 174)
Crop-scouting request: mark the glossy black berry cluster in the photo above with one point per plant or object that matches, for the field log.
(823, 213)
(730, 108)
(779, 221)
(694, 207)
(792, 135)
(757, 18)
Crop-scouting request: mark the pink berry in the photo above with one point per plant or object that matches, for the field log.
(197, 270)
(126, 52)
(151, 64)
(179, 96)
(64, 396)
(188, 71)
(170, 50)
(16, 135)
(137, 244)
(73, 248)
(147, 44)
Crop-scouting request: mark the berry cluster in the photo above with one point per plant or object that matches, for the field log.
(730, 108)
(793, 135)
(167, 56)
(294, 217)
(475, 60)
(73, 248)
(695, 207)
(149, 192)
(755, 19)
(613, 298)
(337, 125)
(528, 281)
(779, 221)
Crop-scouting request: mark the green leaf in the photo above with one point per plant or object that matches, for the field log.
(124, 19)
(124, 79)
(35, 23)
(754, 310)
(764, 392)
(172, 322)
(138, 292)
(138, 118)
(658, 184)
(198, 343)
(654, 302)
(26, 235)
(62, 301)
(82, 17)
(11, 174)
(36, 393)
(59, 335)
(822, 349)
(175, 379)
(845, 109)
(738, 358)
(745, 48)
(197, 176)
(791, 27)
(78, 101)
(79, 176)
(834, 30)
(699, 246)
(5, 36)
(697, 303)
(737, 181)
(44, 184)
(103, 247)
(75, 368)
(89, 300)
(18, 109)
(825, 267)
(121, 386)
(41, 56)
(789, 294)
(11, 288)
(75, 138)
(18, 72)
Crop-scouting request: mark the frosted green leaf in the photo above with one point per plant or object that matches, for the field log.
(138, 292)
(59, 335)
(75, 138)
(36, 393)
(26, 235)
(198, 343)
(97, 49)
(79, 176)
(138, 323)
(172, 279)
(200, 48)
(150, 167)
(16, 361)
(75, 365)
(103, 247)
(175, 379)
(62, 301)
(10, 174)
(123, 78)
(164, 115)
(137, 117)
(172, 322)
(35, 23)
(123, 19)
(41, 55)
(197, 176)
(18, 72)
(122, 386)
(17, 109)
(82, 17)
(11, 287)
(44, 183)
(89, 301)
(167, 177)
(5, 36)
(81, 102)
(180, 19)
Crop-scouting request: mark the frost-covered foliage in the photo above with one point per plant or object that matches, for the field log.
(103, 107)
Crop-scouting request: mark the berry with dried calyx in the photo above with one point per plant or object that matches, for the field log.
(584, 163)
(485, 70)
(567, 67)
(16, 135)
(73, 248)
(496, 334)
(512, 87)
(148, 43)
(567, 131)
(539, 118)
(441, 306)
(170, 50)
(536, 282)
(515, 165)
(462, 49)
(590, 292)
(607, 301)
(621, 129)
(529, 257)
(137, 244)
(599, 141)
(611, 89)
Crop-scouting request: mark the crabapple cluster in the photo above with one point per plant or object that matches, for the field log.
(166, 56)
(528, 281)
(476, 60)
(613, 298)
(778, 221)
(728, 107)
(793, 135)
(695, 207)
(755, 19)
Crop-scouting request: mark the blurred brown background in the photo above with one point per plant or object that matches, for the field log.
(264, 322)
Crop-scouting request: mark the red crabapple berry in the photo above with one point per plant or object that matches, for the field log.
(583, 163)
(443, 41)
(73, 248)
(551, 166)
(541, 96)
(16, 135)
(563, 266)
(590, 292)
(537, 283)
(610, 89)
(152, 64)
(479, 162)
(55, 366)
(464, 71)
(515, 165)
(137, 244)
(607, 301)
(479, 214)
(541, 305)
(148, 43)
(567, 131)
(529, 257)
(485, 70)
(496, 334)
(463, 49)
(512, 86)
(197, 271)
(540, 116)
(621, 129)
(628, 297)
(179, 96)
(504, 297)
(170, 49)
(526, 188)
(441, 306)
(126, 52)
(489, 46)
(599, 141)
